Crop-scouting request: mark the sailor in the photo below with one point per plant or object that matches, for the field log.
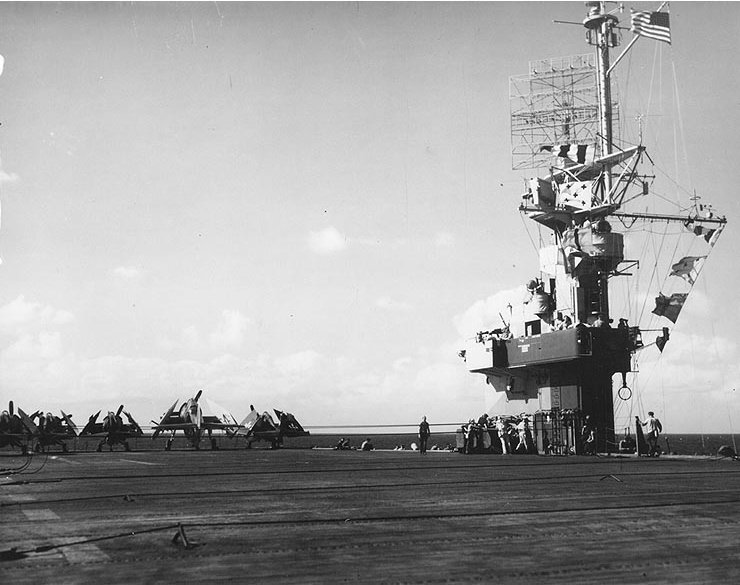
(654, 428)
(546, 445)
(534, 285)
(503, 435)
(367, 445)
(424, 433)
(601, 321)
(603, 227)
(588, 435)
(521, 428)
(472, 436)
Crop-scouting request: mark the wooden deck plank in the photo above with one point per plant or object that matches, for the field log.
(311, 516)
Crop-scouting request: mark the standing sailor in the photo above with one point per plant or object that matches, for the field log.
(654, 428)
(424, 433)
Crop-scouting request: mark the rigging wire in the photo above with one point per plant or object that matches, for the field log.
(722, 385)
(653, 272)
(680, 149)
(531, 239)
(680, 121)
(670, 262)
(651, 85)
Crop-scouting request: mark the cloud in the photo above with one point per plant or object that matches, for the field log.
(38, 370)
(327, 241)
(228, 334)
(22, 317)
(34, 363)
(6, 177)
(299, 364)
(484, 314)
(43, 346)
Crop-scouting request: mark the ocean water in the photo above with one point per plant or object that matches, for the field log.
(678, 444)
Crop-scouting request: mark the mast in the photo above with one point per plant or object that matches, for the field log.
(600, 33)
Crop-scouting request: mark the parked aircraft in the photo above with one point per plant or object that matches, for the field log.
(262, 427)
(112, 429)
(192, 422)
(50, 429)
(12, 431)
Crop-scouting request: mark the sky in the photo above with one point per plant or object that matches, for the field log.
(311, 207)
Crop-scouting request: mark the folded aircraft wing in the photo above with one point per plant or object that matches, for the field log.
(93, 427)
(71, 427)
(28, 423)
(213, 422)
(217, 417)
(258, 425)
(264, 426)
(132, 426)
(171, 421)
(289, 426)
(248, 423)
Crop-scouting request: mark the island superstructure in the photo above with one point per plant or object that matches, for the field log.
(566, 353)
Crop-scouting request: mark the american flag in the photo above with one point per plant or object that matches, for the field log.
(654, 25)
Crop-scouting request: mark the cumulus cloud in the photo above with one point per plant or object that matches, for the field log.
(45, 345)
(484, 313)
(38, 371)
(299, 363)
(227, 334)
(33, 359)
(22, 317)
(327, 241)
(6, 177)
